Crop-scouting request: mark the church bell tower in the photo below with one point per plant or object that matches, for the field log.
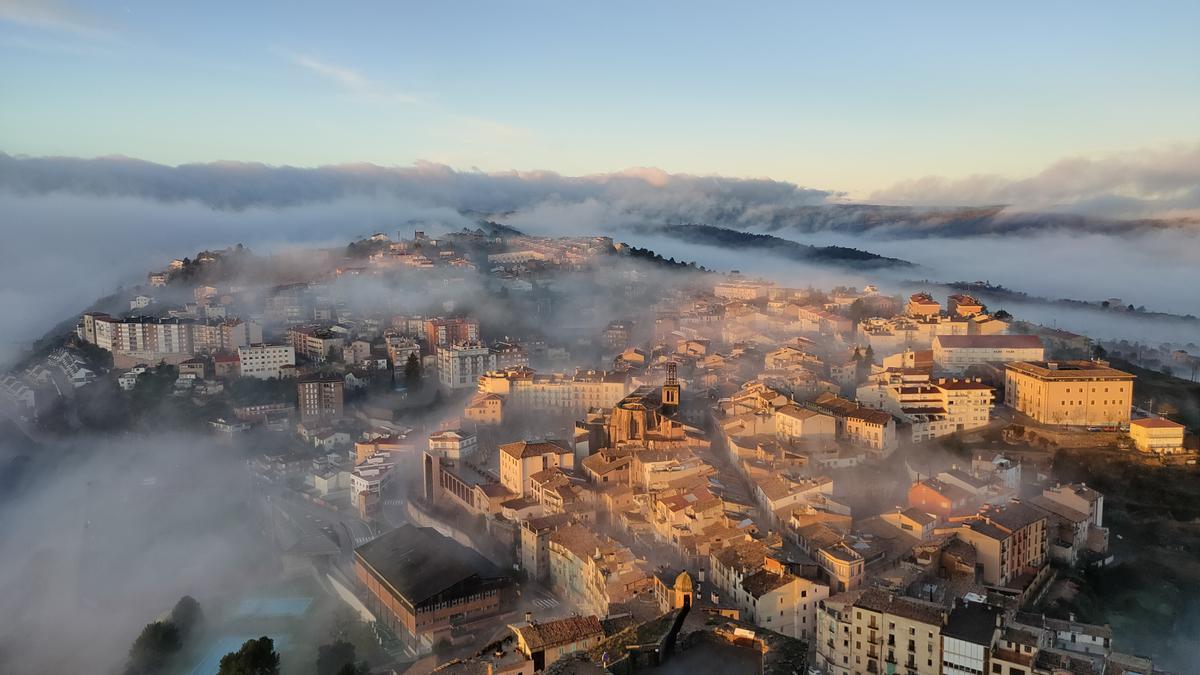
(670, 391)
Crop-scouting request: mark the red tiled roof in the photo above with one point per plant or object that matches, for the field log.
(1156, 423)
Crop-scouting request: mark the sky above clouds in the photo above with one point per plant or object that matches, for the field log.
(892, 101)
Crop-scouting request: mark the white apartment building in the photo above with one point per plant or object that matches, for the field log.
(370, 477)
(453, 444)
(460, 366)
(953, 354)
(265, 361)
(935, 408)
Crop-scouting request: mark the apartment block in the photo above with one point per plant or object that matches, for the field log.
(461, 365)
(874, 631)
(320, 398)
(1009, 541)
(266, 361)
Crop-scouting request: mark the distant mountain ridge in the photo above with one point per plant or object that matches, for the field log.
(723, 237)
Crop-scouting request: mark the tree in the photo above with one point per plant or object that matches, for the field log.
(153, 649)
(187, 616)
(256, 657)
(1098, 352)
(412, 372)
(858, 310)
(333, 658)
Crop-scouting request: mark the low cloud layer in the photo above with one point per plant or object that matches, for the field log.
(79, 227)
(239, 185)
(1130, 193)
(1149, 183)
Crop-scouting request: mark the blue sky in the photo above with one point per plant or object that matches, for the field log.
(852, 97)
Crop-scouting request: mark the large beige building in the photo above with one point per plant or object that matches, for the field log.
(953, 354)
(520, 460)
(742, 289)
(874, 631)
(1082, 393)
(524, 389)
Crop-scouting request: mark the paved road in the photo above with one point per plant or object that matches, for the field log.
(343, 526)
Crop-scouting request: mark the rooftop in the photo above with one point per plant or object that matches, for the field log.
(523, 449)
(1069, 370)
(973, 622)
(989, 341)
(538, 635)
(418, 563)
(1155, 423)
(762, 582)
(878, 600)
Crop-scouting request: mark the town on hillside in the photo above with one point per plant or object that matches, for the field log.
(499, 453)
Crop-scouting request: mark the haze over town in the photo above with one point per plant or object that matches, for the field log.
(514, 339)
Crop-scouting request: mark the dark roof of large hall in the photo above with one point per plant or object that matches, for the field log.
(419, 563)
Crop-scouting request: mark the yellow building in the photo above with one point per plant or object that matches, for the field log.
(520, 460)
(1157, 435)
(485, 409)
(922, 304)
(964, 305)
(1081, 393)
(873, 631)
(792, 421)
(1008, 540)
